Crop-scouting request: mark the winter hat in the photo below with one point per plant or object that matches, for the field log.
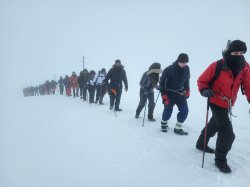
(237, 45)
(103, 70)
(155, 66)
(183, 57)
(118, 61)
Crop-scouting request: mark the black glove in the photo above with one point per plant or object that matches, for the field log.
(248, 101)
(207, 93)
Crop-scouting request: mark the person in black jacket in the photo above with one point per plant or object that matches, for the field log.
(82, 81)
(61, 85)
(174, 87)
(148, 82)
(91, 86)
(116, 75)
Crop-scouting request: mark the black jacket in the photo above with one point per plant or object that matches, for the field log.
(117, 75)
(175, 78)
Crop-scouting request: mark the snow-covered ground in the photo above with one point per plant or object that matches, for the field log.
(60, 141)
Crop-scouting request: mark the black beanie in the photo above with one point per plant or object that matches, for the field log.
(237, 45)
(117, 61)
(183, 57)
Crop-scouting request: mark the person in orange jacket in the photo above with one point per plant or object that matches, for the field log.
(235, 71)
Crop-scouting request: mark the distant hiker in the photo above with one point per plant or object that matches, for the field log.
(100, 87)
(148, 82)
(53, 86)
(174, 87)
(74, 84)
(61, 85)
(67, 85)
(82, 82)
(222, 94)
(116, 75)
(91, 86)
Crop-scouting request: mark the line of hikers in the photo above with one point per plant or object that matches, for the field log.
(219, 83)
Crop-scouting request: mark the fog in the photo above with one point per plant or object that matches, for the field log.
(42, 40)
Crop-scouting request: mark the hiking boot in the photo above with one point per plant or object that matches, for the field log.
(110, 108)
(180, 131)
(136, 116)
(223, 166)
(151, 119)
(118, 109)
(207, 149)
(164, 126)
(101, 103)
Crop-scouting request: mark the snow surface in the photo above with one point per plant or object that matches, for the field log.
(61, 141)
(55, 141)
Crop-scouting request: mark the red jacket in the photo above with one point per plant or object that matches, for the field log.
(73, 80)
(225, 86)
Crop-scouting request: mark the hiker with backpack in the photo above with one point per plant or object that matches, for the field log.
(116, 75)
(148, 82)
(174, 88)
(100, 88)
(220, 83)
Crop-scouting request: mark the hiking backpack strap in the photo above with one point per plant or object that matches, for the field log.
(217, 72)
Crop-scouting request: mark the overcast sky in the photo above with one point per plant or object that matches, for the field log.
(43, 39)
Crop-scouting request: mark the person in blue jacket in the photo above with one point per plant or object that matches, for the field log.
(174, 88)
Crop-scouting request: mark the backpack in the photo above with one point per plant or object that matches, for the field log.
(217, 74)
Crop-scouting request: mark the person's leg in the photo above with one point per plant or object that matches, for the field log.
(225, 139)
(211, 131)
(141, 104)
(151, 106)
(117, 99)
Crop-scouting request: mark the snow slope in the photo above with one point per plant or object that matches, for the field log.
(61, 141)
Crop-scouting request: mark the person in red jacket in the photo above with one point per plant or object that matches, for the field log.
(74, 84)
(222, 95)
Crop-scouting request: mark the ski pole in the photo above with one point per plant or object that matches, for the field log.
(144, 111)
(157, 97)
(205, 134)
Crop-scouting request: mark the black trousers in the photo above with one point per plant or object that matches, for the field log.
(220, 124)
(91, 89)
(143, 99)
(61, 89)
(115, 98)
(100, 92)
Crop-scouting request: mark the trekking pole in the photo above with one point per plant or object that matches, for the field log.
(205, 134)
(157, 97)
(144, 111)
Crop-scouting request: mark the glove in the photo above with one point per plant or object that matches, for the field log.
(165, 99)
(187, 94)
(248, 101)
(126, 89)
(207, 93)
